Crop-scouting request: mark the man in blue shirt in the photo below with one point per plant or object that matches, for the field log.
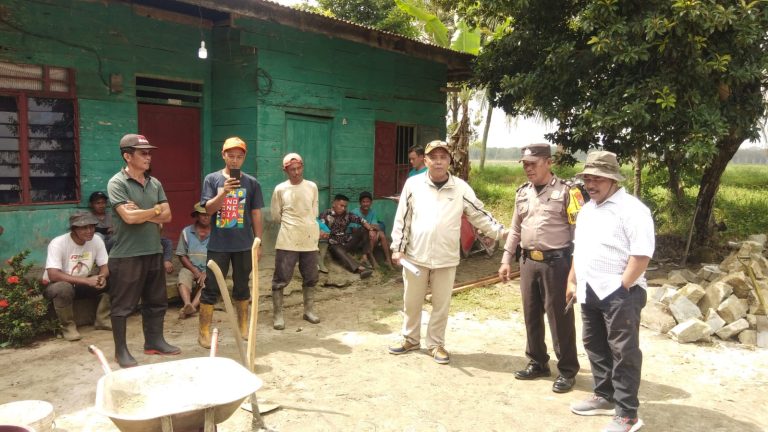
(416, 159)
(375, 237)
(192, 251)
(235, 208)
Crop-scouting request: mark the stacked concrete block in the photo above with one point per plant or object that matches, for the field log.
(692, 330)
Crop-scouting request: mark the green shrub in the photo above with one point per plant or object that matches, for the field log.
(23, 310)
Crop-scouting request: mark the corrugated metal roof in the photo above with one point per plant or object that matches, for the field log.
(459, 64)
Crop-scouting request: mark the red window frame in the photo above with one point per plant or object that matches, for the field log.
(22, 96)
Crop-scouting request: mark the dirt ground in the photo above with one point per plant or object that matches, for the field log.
(337, 375)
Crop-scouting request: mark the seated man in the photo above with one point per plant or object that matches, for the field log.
(70, 269)
(192, 251)
(376, 236)
(98, 203)
(340, 242)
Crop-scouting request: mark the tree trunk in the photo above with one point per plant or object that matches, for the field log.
(484, 144)
(459, 142)
(454, 108)
(673, 177)
(638, 187)
(710, 183)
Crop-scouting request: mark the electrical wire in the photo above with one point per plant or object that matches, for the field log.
(57, 39)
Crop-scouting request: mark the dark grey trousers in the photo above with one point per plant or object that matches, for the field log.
(542, 285)
(611, 334)
(285, 262)
(137, 278)
(241, 271)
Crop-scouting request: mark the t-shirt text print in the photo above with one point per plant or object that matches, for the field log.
(231, 212)
(80, 263)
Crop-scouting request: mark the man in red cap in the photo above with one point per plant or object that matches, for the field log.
(136, 259)
(295, 206)
(234, 199)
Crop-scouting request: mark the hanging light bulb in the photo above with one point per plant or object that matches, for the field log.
(202, 52)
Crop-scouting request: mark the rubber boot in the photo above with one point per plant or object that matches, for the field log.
(67, 318)
(321, 262)
(102, 314)
(241, 306)
(122, 355)
(206, 316)
(154, 342)
(278, 323)
(309, 305)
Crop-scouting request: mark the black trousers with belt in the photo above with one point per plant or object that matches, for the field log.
(542, 285)
(611, 334)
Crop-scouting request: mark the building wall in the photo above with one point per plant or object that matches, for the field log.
(96, 39)
(258, 73)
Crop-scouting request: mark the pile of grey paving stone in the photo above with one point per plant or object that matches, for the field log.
(718, 300)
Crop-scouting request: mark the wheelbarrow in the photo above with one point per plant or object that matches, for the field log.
(182, 395)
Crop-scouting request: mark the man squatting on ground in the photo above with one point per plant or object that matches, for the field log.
(542, 226)
(614, 242)
(426, 232)
(192, 251)
(341, 242)
(295, 206)
(235, 204)
(70, 269)
(136, 259)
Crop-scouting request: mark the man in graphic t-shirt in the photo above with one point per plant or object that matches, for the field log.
(76, 267)
(235, 205)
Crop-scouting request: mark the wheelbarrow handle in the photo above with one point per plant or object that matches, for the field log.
(103, 360)
(214, 342)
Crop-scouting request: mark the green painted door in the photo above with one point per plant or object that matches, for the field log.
(311, 138)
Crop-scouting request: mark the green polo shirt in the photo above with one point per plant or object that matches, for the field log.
(137, 239)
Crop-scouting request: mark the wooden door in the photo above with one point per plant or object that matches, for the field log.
(385, 175)
(311, 138)
(175, 131)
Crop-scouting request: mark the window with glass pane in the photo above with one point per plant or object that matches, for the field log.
(38, 135)
(10, 167)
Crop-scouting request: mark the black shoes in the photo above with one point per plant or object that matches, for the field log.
(365, 274)
(533, 371)
(563, 384)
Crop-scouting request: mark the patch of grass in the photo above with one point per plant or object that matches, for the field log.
(491, 302)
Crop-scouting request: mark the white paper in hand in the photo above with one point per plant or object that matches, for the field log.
(410, 267)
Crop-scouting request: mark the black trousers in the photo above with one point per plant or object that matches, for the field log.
(611, 334)
(285, 262)
(542, 285)
(340, 253)
(133, 278)
(241, 271)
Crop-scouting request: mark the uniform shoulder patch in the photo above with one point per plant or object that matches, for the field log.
(523, 186)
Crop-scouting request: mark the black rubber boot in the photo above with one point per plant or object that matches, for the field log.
(309, 305)
(154, 342)
(278, 323)
(122, 356)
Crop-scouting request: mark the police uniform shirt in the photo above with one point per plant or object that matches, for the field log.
(540, 221)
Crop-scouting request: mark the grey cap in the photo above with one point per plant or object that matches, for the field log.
(437, 144)
(82, 218)
(135, 141)
(532, 153)
(602, 164)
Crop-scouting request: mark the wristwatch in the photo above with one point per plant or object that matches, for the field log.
(157, 210)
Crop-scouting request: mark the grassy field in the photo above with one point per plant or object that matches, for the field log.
(742, 201)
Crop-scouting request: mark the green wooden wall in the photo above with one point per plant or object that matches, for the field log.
(257, 74)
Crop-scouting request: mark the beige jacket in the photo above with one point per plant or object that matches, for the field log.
(427, 226)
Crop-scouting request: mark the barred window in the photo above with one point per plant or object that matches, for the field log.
(38, 135)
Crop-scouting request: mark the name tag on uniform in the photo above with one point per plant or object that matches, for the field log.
(555, 195)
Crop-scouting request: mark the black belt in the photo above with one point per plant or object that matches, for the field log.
(548, 255)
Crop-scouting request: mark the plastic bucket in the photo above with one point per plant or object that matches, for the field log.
(4, 428)
(37, 415)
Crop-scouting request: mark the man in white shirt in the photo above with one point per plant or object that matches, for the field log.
(614, 242)
(70, 269)
(295, 206)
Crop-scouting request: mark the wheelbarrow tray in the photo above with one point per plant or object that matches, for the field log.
(135, 399)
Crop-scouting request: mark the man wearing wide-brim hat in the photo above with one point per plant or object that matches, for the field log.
(614, 242)
(76, 266)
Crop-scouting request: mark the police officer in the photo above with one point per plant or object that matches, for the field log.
(542, 226)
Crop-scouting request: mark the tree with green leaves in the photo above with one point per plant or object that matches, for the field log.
(681, 82)
(379, 14)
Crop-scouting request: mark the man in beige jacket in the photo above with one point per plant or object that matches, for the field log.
(426, 233)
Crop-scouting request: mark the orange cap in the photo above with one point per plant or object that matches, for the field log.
(234, 142)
